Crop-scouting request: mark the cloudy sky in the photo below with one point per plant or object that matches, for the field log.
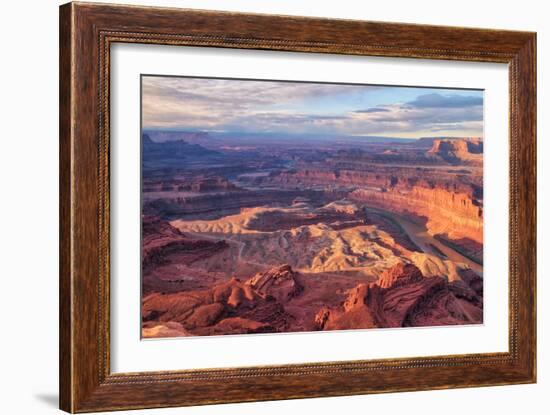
(290, 107)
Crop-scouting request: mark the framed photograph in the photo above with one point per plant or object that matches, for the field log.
(259, 207)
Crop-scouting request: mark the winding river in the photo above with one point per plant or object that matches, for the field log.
(430, 245)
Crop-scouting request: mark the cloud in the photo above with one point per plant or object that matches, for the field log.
(237, 105)
(371, 110)
(168, 101)
(454, 114)
(445, 101)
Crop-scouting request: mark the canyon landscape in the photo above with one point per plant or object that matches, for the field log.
(272, 207)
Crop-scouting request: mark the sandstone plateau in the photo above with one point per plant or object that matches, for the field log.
(458, 151)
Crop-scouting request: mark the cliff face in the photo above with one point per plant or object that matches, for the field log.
(361, 310)
(161, 242)
(376, 177)
(467, 179)
(402, 297)
(232, 307)
(281, 283)
(342, 177)
(220, 203)
(455, 214)
(200, 184)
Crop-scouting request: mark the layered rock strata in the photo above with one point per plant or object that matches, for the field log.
(449, 213)
(232, 307)
(403, 297)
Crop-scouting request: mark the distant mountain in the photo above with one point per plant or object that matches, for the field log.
(193, 137)
(146, 140)
(172, 150)
(273, 136)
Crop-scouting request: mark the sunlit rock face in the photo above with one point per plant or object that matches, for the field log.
(403, 297)
(456, 215)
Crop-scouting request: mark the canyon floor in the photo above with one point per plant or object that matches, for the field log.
(258, 234)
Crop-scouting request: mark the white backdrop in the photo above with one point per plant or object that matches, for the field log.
(28, 212)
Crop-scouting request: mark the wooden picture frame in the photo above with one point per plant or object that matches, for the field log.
(86, 33)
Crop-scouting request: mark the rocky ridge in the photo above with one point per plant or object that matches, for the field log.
(402, 297)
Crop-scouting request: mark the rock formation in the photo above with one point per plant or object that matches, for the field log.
(400, 275)
(361, 310)
(169, 150)
(217, 204)
(160, 240)
(458, 151)
(454, 214)
(403, 297)
(281, 283)
(232, 307)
